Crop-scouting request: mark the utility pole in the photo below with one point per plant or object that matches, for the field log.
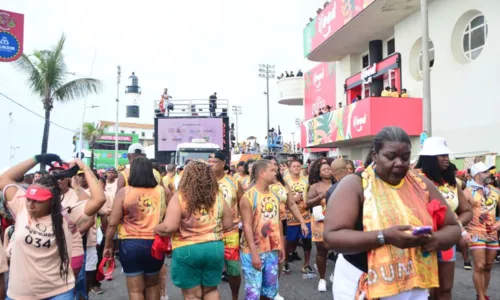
(236, 112)
(267, 71)
(119, 72)
(426, 70)
(84, 108)
(293, 142)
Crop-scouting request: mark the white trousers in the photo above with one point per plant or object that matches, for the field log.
(346, 279)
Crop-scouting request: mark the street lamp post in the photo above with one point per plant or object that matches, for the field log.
(10, 137)
(293, 142)
(236, 112)
(118, 72)
(426, 70)
(267, 71)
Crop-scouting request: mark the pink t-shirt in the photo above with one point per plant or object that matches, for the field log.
(70, 200)
(34, 265)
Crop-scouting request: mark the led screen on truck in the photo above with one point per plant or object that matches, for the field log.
(173, 131)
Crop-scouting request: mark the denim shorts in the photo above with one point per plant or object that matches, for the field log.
(69, 295)
(136, 258)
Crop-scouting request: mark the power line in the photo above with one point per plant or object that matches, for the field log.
(36, 114)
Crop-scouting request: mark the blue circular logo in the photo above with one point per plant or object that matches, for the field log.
(9, 46)
(124, 155)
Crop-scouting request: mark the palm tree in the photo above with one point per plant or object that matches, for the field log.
(92, 133)
(46, 74)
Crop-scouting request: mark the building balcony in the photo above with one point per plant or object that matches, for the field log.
(290, 90)
(345, 27)
(361, 121)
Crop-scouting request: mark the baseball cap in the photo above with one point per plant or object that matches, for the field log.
(59, 166)
(38, 193)
(479, 167)
(435, 146)
(136, 148)
(219, 155)
(111, 169)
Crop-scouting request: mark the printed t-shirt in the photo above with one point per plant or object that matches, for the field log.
(265, 223)
(244, 181)
(299, 186)
(229, 188)
(112, 187)
(169, 182)
(34, 269)
(450, 194)
(483, 212)
(143, 209)
(70, 200)
(201, 226)
(280, 191)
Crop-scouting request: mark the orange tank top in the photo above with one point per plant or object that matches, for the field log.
(199, 227)
(265, 223)
(143, 209)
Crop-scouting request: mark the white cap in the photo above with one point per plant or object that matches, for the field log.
(435, 146)
(479, 167)
(136, 148)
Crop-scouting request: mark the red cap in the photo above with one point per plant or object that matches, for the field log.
(59, 166)
(38, 193)
(462, 172)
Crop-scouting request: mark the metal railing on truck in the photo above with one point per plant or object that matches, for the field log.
(191, 107)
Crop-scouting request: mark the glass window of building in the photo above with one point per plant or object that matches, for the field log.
(365, 61)
(391, 46)
(431, 58)
(475, 37)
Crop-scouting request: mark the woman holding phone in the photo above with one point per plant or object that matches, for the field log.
(369, 221)
(42, 249)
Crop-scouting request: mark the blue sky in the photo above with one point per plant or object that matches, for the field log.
(192, 47)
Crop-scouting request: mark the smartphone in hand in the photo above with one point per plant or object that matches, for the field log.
(422, 230)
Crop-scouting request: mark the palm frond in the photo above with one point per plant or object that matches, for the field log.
(34, 78)
(77, 88)
(92, 133)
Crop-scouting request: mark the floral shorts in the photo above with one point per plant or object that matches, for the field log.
(264, 282)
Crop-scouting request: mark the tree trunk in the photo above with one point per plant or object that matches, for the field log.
(45, 139)
(92, 158)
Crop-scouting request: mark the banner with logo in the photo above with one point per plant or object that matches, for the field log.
(345, 123)
(11, 35)
(364, 118)
(319, 88)
(173, 131)
(330, 20)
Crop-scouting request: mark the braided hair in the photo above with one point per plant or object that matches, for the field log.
(50, 182)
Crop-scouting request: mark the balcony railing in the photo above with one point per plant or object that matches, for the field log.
(290, 90)
(191, 107)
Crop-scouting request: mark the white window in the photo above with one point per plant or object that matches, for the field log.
(431, 58)
(475, 37)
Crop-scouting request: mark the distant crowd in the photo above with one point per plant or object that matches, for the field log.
(290, 74)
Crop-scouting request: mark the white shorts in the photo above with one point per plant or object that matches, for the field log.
(91, 259)
(346, 279)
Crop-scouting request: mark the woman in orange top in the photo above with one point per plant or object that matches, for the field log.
(42, 247)
(138, 208)
(320, 180)
(197, 217)
(370, 219)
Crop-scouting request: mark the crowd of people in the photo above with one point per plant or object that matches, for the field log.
(289, 74)
(318, 11)
(392, 226)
